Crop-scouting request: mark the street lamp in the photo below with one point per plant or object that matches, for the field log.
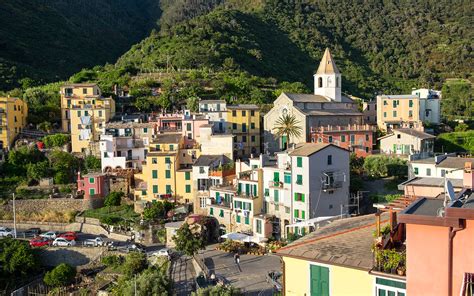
(14, 215)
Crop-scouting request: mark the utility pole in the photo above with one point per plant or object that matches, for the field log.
(135, 289)
(14, 215)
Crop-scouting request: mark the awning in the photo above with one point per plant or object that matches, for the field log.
(235, 236)
(312, 222)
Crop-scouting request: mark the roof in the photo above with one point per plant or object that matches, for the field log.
(312, 98)
(338, 112)
(327, 64)
(432, 182)
(120, 124)
(168, 138)
(410, 132)
(243, 106)
(425, 207)
(307, 149)
(211, 101)
(345, 242)
(176, 224)
(454, 162)
(207, 160)
(79, 85)
(399, 96)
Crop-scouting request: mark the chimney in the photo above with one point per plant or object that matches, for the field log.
(468, 179)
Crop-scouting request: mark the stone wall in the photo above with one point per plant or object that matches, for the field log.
(39, 205)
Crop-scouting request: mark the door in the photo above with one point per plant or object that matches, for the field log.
(319, 280)
(284, 142)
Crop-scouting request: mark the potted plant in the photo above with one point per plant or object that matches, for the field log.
(401, 270)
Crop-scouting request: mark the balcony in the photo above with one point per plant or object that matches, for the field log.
(246, 196)
(222, 203)
(389, 251)
(331, 185)
(275, 184)
(132, 158)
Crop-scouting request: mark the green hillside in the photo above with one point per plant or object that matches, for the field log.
(50, 40)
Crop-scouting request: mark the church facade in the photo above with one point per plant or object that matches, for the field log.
(325, 107)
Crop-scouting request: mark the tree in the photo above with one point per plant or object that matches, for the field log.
(287, 125)
(60, 276)
(45, 126)
(92, 163)
(192, 103)
(113, 199)
(37, 171)
(16, 258)
(157, 210)
(65, 166)
(188, 240)
(134, 263)
(56, 140)
(218, 291)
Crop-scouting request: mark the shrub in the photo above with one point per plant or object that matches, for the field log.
(61, 275)
(109, 220)
(57, 140)
(112, 260)
(113, 199)
(461, 127)
(134, 263)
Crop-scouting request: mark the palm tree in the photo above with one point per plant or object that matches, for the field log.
(288, 126)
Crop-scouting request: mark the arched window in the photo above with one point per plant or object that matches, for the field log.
(320, 82)
(337, 81)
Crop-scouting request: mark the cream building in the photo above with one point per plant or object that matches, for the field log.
(398, 111)
(326, 106)
(13, 115)
(406, 142)
(84, 113)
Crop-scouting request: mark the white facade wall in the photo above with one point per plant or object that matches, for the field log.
(216, 144)
(431, 170)
(329, 88)
(430, 110)
(216, 113)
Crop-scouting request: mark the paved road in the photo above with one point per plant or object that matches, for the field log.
(250, 276)
(183, 275)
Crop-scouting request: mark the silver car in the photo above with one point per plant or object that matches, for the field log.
(62, 242)
(6, 232)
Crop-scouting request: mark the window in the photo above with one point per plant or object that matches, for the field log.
(394, 103)
(385, 103)
(399, 136)
(416, 171)
(100, 113)
(277, 207)
(187, 175)
(287, 178)
(299, 179)
(234, 113)
(155, 188)
(171, 147)
(168, 174)
(143, 192)
(319, 280)
(168, 189)
(167, 160)
(443, 172)
(244, 113)
(299, 196)
(78, 113)
(366, 137)
(267, 192)
(287, 210)
(252, 125)
(91, 191)
(247, 220)
(276, 196)
(320, 82)
(410, 113)
(91, 180)
(303, 215)
(428, 172)
(221, 213)
(188, 126)
(394, 113)
(154, 160)
(145, 130)
(211, 211)
(410, 103)
(84, 91)
(299, 162)
(244, 139)
(86, 113)
(352, 139)
(276, 176)
(337, 81)
(386, 287)
(154, 174)
(329, 159)
(234, 126)
(158, 148)
(385, 114)
(296, 213)
(343, 138)
(244, 127)
(330, 139)
(237, 218)
(201, 170)
(259, 226)
(252, 138)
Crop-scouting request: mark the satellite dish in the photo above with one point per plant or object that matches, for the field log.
(450, 190)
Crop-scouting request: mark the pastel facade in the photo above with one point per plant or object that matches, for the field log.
(243, 122)
(84, 113)
(327, 106)
(92, 185)
(215, 111)
(13, 116)
(369, 109)
(399, 111)
(430, 100)
(358, 139)
(407, 142)
(212, 143)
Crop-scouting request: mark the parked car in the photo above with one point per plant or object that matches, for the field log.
(40, 242)
(49, 235)
(274, 278)
(32, 232)
(62, 242)
(94, 242)
(135, 247)
(70, 236)
(165, 252)
(6, 232)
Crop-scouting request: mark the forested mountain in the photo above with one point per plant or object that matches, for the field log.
(49, 40)
(380, 46)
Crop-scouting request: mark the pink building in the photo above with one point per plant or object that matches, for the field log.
(92, 185)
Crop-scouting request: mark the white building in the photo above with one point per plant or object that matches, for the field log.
(307, 182)
(430, 110)
(438, 167)
(216, 112)
(405, 141)
(125, 145)
(215, 144)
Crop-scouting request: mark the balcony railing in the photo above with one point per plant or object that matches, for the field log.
(276, 184)
(332, 185)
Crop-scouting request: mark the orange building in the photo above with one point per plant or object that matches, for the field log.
(440, 243)
(354, 137)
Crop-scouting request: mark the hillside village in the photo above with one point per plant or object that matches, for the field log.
(347, 193)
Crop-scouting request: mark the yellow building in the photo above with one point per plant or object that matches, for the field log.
(13, 114)
(398, 111)
(337, 260)
(84, 113)
(243, 121)
(168, 170)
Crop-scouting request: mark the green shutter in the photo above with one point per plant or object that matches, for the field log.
(154, 174)
(221, 213)
(247, 220)
(187, 175)
(211, 211)
(319, 280)
(240, 188)
(275, 195)
(302, 215)
(276, 177)
(299, 162)
(296, 214)
(287, 178)
(168, 189)
(238, 218)
(247, 189)
(168, 174)
(255, 190)
(91, 191)
(155, 188)
(188, 188)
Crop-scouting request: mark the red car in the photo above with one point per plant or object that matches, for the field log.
(39, 242)
(70, 236)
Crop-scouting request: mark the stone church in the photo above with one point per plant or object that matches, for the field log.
(326, 106)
